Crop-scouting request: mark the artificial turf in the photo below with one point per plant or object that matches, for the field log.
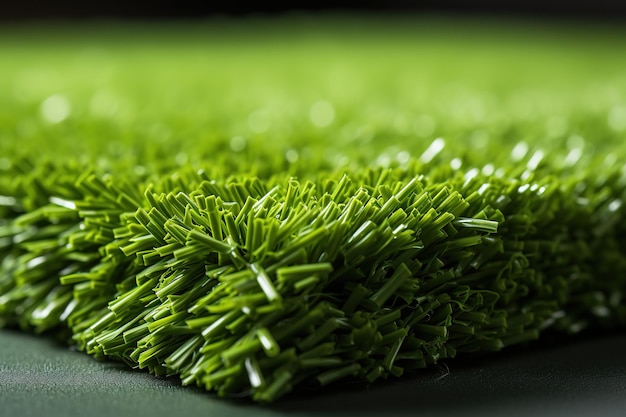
(265, 204)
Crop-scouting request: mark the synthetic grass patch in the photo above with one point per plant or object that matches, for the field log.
(319, 236)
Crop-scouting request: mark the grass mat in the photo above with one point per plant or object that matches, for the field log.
(262, 205)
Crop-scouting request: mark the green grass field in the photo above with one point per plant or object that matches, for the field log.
(261, 205)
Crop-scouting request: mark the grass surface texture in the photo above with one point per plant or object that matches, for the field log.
(258, 206)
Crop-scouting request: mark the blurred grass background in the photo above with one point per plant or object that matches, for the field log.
(306, 93)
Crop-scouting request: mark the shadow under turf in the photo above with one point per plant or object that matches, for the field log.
(577, 376)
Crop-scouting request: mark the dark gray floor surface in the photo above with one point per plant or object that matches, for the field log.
(585, 377)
